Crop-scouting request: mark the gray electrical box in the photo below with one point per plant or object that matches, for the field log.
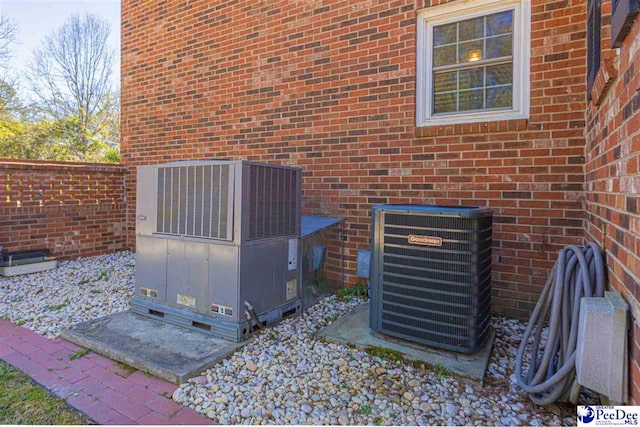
(601, 348)
(214, 237)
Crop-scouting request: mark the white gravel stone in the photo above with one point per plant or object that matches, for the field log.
(77, 291)
(178, 394)
(291, 376)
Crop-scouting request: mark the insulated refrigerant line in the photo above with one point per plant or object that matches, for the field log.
(250, 312)
(550, 373)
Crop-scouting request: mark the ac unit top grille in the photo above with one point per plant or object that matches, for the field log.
(194, 201)
(273, 202)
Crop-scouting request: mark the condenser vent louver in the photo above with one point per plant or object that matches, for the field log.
(272, 202)
(194, 201)
(431, 274)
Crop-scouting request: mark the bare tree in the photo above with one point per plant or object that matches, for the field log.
(7, 36)
(9, 101)
(70, 74)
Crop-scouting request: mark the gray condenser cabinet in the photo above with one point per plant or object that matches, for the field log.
(431, 274)
(218, 242)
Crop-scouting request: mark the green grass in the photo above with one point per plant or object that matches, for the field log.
(104, 275)
(440, 371)
(59, 307)
(365, 409)
(358, 290)
(23, 402)
(126, 368)
(397, 357)
(331, 318)
(78, 354)
(385, 353)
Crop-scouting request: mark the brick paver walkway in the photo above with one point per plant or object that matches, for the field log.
(93, 384)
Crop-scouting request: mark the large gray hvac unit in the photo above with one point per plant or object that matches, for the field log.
(431, 274)
(217, 245)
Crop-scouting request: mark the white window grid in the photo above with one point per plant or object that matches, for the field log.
(483, 63)
(456, 12)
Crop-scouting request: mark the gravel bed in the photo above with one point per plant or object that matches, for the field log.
(78, 290)
(287, 375)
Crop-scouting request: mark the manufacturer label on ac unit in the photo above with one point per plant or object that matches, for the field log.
(221, 309)
(187, 300)
(424, 240)
(292, 289)
(293, 254)
(153, 293)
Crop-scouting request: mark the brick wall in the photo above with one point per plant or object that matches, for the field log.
(330, 86)
(72, 209)
(613, 174)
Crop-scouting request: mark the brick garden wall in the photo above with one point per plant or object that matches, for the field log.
(72, 209)
(330, 86)
(613, 174)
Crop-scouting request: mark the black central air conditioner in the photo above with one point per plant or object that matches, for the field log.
(431, 274)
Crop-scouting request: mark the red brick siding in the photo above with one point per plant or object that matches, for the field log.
(330, 86)
(72, 209)
(613, 178)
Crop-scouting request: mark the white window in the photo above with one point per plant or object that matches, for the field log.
(473, 62)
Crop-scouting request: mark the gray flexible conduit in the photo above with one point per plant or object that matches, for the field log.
(579, 272)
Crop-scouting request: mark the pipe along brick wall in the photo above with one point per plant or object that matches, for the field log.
(330, 86)
(72, 209)
(613, 174)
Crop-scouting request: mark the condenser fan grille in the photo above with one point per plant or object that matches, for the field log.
(194, 201)
(434, 275)
(272, 202)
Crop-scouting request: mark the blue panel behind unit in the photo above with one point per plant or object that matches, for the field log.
(318, 256)
(364, 261)
(312, 224)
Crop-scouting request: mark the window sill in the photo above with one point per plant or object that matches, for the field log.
(607, 73)
(472, 128)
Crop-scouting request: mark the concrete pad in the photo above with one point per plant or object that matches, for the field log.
(353, 329)
(161, 349)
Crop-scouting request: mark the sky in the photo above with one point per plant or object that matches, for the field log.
(37, 18)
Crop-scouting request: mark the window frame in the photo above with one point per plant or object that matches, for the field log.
(461, 10)
(594, 43)
(623, 14)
